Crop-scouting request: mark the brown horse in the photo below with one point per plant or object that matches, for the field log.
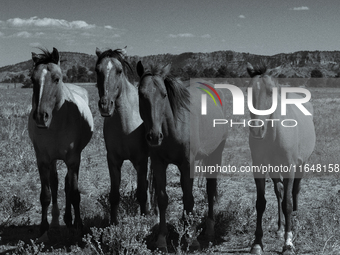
(176, 135)
(123, 127)
(276, 145)
(60, 126)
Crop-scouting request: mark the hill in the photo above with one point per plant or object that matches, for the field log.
(79, 67)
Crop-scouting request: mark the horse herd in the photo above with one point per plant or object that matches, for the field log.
(161, 120)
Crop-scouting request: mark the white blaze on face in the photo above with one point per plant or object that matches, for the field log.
(108, 69)
(42, 81)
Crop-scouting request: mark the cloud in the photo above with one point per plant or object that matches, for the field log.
(49, 29)
(206, 36)
(23, 34)
(242, 16)
(26, 34)
(302, 8)
(184, 35)
(35, 44)
(49, 22)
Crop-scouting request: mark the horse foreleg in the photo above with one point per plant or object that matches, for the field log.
(188, 201)
(260, 181)
(159, 175)
(210, 223)
(115, 165)
(142, 185)
(54, 191)
(72, 192)
(287, 206)
(296, 190)
(214, 159)
(45, 194)
(278, 188)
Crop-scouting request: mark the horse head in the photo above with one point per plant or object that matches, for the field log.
(111, 75)
(47, 82)
(261, 86)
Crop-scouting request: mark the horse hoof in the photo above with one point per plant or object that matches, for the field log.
(162, 250)
(43, 239)
(210, 231)
(161, 244)
(288, 250)
(280, 234)
(256, 249)
(194, 246)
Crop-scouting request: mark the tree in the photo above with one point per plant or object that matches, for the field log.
(82, 74)
(209, 72)
(316, 73)
(222, 72)
(315, 80)
(27, 84)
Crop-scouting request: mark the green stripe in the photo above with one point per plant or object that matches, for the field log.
(208, 94)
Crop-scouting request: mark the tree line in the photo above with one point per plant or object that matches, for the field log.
(81, 74)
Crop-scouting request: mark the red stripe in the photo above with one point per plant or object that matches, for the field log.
(213, 90)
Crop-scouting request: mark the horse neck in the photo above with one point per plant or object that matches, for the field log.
(127, 106)
(276, 115)
(64, 95)
(170, 125)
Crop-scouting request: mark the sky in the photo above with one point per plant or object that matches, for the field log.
(149, 27)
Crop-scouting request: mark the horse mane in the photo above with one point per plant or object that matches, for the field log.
(178, 94)
(46, 57)
(258, 69)
(117, 55)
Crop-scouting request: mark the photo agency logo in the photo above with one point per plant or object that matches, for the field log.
(279, 99)
(204, 96)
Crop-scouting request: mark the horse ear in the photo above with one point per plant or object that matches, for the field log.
(98, 52)
(140, 69)
(55, 55)
(250, 69)
(123, 51)
(165, 70)
(35, 57)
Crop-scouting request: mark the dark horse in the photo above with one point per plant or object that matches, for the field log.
(176, 134)
(123, 127)
(60, 126)
(276, 145)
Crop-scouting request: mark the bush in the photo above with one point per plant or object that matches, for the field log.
(125, 238)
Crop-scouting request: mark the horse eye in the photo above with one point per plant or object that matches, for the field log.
(56, 80)
(165, 95)
(119, 71)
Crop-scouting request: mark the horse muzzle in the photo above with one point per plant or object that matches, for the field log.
(154, 139)
(106, 107)
(258, 132)
(42, 119)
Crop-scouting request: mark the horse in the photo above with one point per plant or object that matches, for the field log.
(273, 144)
(60, 125)
(176, 133)
(123, 127)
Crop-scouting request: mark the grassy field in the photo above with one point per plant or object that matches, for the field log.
(316, 225)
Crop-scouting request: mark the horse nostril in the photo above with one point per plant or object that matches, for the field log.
(148, 137)
(160, 136)
(45, 116)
